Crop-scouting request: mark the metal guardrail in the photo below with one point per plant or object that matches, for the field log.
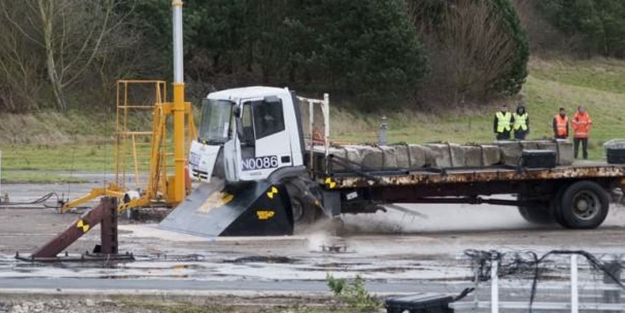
(617, 307)
(564, 297)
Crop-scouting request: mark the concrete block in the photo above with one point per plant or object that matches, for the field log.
(439, 155)
(472, 156)
(510, 152)
(372, 157)
(353, 155)
(457, 153)
(491, 155)
(565, 152)
(402, 156)
(418, 155)
(341, 155)
(389, 156)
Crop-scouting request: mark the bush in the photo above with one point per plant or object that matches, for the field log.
(477, 49)
(353, 294)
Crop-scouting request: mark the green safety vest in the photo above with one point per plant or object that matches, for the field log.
(503, 121)
(520, 121)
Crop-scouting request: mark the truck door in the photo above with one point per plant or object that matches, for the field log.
(265, 145)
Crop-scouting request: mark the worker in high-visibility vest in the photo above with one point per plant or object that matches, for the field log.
(520, 123)
(503, 123)
(581, 128)
(561, 125)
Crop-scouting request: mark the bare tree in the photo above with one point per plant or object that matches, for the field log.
(469, 48)
(543, 36)
(71, 34)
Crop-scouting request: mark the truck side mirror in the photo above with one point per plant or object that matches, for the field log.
(237, 111)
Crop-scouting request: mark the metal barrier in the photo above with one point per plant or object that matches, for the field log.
(557, 295)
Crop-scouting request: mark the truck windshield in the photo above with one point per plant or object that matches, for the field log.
(215, 124)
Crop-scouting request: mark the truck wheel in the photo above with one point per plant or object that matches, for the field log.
(584, 205)
(303, 212)
(539, 214)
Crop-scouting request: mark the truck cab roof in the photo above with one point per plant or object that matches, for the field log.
(247, 93)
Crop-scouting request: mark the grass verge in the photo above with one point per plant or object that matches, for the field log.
(23, 177)
(232, 306)
(599, 84)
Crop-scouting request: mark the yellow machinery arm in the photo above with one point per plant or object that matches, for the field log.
(112, 191)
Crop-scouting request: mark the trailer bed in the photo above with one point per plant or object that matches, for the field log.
(475, 175)
(575, 196)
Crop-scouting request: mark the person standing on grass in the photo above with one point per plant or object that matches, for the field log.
(581, 127)
(521, 123)
(503, 123)
(561, 125)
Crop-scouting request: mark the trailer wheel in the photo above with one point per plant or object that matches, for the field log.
(539, 214)
(556, 206)
(536, 215)
(584, 205)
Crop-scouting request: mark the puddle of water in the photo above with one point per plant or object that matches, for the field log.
(262, 259)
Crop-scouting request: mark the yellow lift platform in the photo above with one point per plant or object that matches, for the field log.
(139, 151)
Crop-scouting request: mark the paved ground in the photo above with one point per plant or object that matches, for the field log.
(394, 252)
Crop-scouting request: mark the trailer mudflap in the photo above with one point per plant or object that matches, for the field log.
(250, 209)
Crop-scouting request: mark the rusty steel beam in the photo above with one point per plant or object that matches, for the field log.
(108, 229)
(478, 175)
(105, 213)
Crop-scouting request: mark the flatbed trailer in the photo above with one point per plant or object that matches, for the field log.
(262, 182)
(576, 196)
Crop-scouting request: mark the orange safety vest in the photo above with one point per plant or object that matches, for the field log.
(318, 138)
(561, 125)
(581, 125)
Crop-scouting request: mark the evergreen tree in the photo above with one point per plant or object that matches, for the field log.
(599, 23)
(364, 49)
(512, 81)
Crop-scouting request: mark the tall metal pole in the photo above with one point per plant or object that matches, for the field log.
(178, 105)
(574, 294)
(494, 286)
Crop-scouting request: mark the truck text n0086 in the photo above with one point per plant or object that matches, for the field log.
(260, 163)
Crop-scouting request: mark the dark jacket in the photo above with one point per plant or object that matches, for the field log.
(495, 122)
(527, 121)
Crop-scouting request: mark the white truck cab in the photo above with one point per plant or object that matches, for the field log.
(246, 134)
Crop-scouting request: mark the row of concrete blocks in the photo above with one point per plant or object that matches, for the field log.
(414, 156)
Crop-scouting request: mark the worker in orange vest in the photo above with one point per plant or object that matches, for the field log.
(561, 125)
(581, 127)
